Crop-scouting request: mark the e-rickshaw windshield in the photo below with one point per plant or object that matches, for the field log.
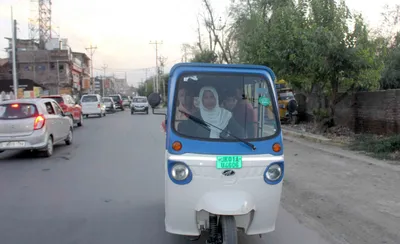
(232, 106)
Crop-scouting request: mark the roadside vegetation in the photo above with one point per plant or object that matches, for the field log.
(378, 146)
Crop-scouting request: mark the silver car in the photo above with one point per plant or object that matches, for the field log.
(139, 104)
(109, 103)
(33, 124)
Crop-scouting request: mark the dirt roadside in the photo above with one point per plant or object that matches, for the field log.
(347, 199)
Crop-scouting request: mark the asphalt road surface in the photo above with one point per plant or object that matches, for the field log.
(105, 188)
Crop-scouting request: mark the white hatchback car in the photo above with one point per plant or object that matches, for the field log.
(34, 124)
(92, 104)
(139, 104)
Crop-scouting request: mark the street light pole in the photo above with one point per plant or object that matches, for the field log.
(105, 66)
(14, 54)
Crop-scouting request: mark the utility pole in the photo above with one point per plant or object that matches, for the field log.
(105, 66)
(126, 81)
(91, 50)
(14, 54)
(156, 77)
(58, 77)
(161, 71)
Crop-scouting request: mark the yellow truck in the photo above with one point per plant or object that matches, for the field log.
(287, 102)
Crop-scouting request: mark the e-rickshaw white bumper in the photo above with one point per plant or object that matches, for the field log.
(245, 195)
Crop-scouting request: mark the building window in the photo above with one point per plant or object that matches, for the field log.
(52, 66)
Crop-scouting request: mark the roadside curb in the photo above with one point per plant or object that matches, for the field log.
(310, 137)
(323, 144)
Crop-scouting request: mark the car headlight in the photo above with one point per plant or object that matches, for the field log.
(179, 171)
(274, 172)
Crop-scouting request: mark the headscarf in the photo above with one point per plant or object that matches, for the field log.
(217, 116)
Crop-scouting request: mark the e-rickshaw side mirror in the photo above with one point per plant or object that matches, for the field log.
(154, 99)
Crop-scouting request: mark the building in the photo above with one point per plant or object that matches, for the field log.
(121, 85)
(81, 72)
(5, 69)
(56, 68)
(109, 85)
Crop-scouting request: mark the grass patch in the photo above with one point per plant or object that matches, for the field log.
(378, 146)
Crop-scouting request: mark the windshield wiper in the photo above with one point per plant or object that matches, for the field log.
(204, 123)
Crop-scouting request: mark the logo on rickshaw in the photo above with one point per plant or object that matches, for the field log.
(228, 173)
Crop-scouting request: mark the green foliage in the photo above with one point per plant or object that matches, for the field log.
(317, 45)
(378, 146)
(205, 56)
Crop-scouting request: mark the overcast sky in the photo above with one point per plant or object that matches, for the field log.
(123, 29)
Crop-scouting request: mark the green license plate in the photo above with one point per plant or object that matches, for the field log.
(229, 162)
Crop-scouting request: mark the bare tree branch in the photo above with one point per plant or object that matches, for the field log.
(199, 41)
(213, 28)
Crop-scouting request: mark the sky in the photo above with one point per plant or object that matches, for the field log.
(122, 29)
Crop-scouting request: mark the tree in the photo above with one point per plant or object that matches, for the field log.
(312, 44)
(390, 48)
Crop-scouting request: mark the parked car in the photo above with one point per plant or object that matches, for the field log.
(109, 103)
(118, 101)
(34, 124)
(125, 101)
(139, 104)
(92, 105)
(68, 104)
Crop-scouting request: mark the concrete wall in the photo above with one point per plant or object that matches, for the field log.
(367, 112)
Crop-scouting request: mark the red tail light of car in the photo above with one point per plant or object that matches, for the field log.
(98, 105)
(39, 122)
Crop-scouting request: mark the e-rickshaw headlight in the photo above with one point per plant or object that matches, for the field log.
(179, 171)
(274, 172)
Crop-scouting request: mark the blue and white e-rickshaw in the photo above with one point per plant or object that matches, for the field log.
(231, 182)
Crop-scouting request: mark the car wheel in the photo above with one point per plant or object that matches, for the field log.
(105, 114)
(68, 141)
(132, 112)
(80, 123)
(48, 151)
(1, 151)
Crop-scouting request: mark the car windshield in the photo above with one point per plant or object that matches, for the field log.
(240, 105)
(58, 99)
(115, 98)
(17, 111)
(139, 100)
(89, 99)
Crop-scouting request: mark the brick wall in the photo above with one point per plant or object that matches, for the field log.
(367, 112)
(377, 112)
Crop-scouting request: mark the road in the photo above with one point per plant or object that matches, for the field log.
(107, 187)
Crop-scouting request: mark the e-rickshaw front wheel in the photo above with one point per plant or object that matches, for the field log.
(228, 229)
(225, 232)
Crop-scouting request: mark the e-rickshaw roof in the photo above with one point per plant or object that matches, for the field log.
(222, 67)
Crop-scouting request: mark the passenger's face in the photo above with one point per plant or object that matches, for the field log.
(230, 103)
(181, 96)
(209, 100)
